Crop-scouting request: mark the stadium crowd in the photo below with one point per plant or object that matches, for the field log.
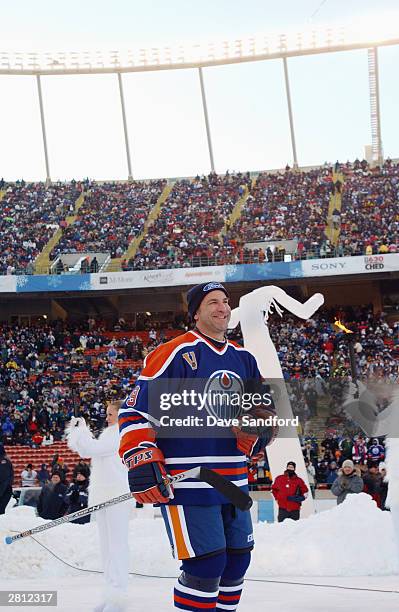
(288, 205)
(110, 217)
(370, 213)
(30, 214)
(187, 229)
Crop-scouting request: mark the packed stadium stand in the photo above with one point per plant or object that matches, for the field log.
(370, 211)
(187, 231)
(111, 217)
(349, 209)
(286, 206)
(30, 213)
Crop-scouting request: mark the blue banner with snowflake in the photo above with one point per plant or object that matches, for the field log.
(264, 271)
(56, 282)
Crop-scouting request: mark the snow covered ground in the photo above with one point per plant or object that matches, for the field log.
(350, 545)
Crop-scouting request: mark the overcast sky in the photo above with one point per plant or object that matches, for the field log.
(247, 105)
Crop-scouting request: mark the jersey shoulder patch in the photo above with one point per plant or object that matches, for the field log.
(159, 359)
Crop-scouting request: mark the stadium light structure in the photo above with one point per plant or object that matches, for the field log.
(368, 36)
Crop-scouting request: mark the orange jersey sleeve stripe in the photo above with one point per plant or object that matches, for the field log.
(134, 417)
(133, 438)
(157, 358)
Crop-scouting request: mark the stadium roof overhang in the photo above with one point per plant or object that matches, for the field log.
(257, 48)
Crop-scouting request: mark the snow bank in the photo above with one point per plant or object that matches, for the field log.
(353, 539)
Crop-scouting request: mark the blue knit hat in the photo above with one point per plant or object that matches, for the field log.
(196, 294)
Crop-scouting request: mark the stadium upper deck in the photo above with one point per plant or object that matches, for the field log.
(350, 209)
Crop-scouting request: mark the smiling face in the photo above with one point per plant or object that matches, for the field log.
(213, 315)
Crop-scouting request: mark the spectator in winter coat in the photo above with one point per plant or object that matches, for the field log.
(330, 443)
(7, 428)
(311, 476)
(309, 453)
(332, 473)
(289, 491)
(6, 479)
(372, 482)
(347, 482)
(376, 452)
(28, 476)
(322, 471)
(51, 503)
(359, 450)
(43, 475)
(59, 466)
(37, 440)
(48, 439)
(346, 448)
(77, 495)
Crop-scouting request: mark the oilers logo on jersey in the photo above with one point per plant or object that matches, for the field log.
(223, 392)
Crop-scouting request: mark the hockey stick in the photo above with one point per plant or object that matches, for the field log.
(234, 494)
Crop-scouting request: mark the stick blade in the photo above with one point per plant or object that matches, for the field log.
(234, 494)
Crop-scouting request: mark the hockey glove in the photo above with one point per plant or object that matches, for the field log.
(257, 428)
(247, 443)
(146, 465)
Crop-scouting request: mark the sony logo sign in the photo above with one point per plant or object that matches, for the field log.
(339, 265)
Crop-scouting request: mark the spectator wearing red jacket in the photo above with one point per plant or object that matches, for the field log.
(289, 491)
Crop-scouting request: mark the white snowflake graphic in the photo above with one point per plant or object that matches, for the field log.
(86, 286)
(54, 281)
(22, 281)
(231, 270)
(296, 272)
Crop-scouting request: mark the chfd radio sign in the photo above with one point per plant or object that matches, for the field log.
(375, 262)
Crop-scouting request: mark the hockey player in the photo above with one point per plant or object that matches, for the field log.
(108, 479)
(211, 538)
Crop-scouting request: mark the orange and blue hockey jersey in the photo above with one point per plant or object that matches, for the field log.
(189, 357)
